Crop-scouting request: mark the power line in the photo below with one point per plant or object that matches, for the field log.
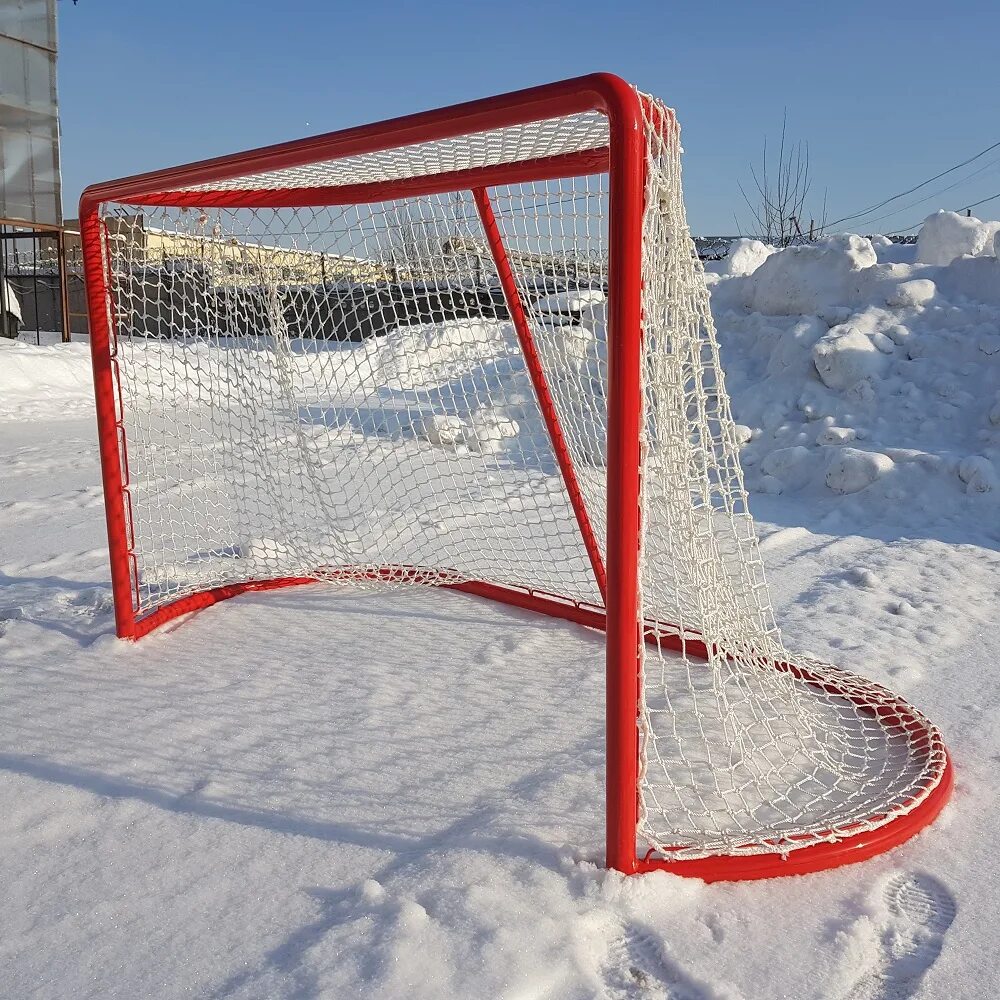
(983, 201)
(935, 194)
(917, 187)
(966, 208)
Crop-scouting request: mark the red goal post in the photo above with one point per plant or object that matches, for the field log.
(210, 184)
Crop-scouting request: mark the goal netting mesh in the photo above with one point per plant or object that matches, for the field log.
(339, 393)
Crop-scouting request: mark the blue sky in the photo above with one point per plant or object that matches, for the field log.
(886, 93)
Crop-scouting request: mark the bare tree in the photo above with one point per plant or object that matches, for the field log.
(778, 205)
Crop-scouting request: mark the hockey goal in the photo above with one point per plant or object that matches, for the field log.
(472, 348)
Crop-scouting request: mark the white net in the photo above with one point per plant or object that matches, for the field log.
(515, 144)
(295, 411)
(739, 756)
(340, 393)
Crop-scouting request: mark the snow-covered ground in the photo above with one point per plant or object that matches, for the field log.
(341, 794)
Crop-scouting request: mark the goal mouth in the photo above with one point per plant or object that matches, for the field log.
(473, 348)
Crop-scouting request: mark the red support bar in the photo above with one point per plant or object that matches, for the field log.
(110, 430)
(590, 161)
(625, 409)
(603, 92)
(206, 598)
(540, 383)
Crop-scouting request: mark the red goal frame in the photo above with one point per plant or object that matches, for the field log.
(624, 159)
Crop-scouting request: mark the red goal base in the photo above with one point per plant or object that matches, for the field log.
(842, 850)
(819, 857)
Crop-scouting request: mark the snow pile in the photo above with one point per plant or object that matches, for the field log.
(744, 257)
(472, 375)
(34, 378)
(975, 279)
(429, 355)
(858, 377)
(946, 236)
(893, 253)
(811, 279)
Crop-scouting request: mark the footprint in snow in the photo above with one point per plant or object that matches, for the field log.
(8, 615)
(636, 969)
(92, 602)
(921, 910)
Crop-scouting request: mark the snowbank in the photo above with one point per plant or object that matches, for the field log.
(46, 377)
(811, 278)
(888, 252)
(743, 258)
(870, 383)
(429, 355)
(946, 236)
(855, 378)
(972, 279)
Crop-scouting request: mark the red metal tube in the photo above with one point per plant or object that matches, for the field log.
(590, 161)
(540, 383)
(596, 92)
(110, 430)
(627, 188)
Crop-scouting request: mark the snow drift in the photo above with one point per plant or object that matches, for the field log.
(875, 382)
(854, 376)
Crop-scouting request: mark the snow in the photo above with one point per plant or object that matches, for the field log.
(888, 252)
(946, 236)
(976, 279)
(897, 361)
(44, 379)
(336, 793)
(852, 471)
(811, 278)
(570, 302)
(428, 355)
(844, 357)
(743, 258)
